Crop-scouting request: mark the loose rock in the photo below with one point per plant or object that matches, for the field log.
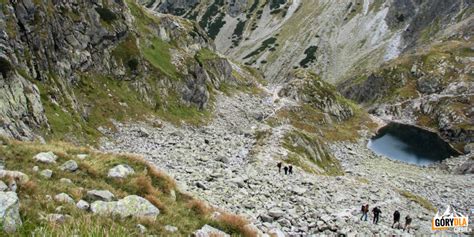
(69, 165)
(46, 157)
(120, 171)
(9, 212)
(100, 195)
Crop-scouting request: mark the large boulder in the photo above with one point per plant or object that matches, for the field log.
(120, 171)
(9, 211)
(208, 231)
(100, 195)
(16, 175)
(46, 157)
(130, 206)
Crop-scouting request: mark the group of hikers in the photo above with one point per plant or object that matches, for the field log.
(396, 217)
(286, 169)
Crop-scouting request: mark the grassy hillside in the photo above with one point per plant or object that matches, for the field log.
(176, 209)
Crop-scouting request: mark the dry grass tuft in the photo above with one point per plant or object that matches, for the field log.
(144, 185)
(199, 207)
(238, 223)
(156, 202)
(29, 187)
(91, 171)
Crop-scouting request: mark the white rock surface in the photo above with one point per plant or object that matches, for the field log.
(46, 157)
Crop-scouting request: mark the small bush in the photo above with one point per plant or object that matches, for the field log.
(133, 64)
(5, 67)
(106, 14)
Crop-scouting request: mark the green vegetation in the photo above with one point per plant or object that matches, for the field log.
(106, 14)
(275, 4)
(174, 111)
(268, 43)
(180, 210)
(310, 56)
(5, 67)
(238, 31)
(418, 199)
(308, 152)
(158, 54)
(128, 53)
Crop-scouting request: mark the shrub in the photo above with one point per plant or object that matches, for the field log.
(5, 67)
(133, 64)
(106, 14)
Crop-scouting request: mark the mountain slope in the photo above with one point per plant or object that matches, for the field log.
(333, 39)
(67, 67)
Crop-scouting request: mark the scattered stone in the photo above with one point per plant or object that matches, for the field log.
(142, 229)
(46, 157)
(12, 186)
(82, 156)
(276, 233)
(208, 231)
(69, 165)
(35, 169)
(16, 175)
(83, 205)
(47, 173)
(266, 218)
(65, 181)
(276, 213)
(9, 211)
(3, 186)
(120, 171)
(171, 229)
(129, 206)
(298, 190)
(201, 185)
(100, 195)
(63, 198)
(142, 132)
(58, 218)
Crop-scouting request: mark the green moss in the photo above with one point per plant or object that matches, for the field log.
(157, 52)
(418, 199)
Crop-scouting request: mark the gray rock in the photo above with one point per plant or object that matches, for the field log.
(58, 218)
(83, 205)
(120, 171)
(82, 156)
(133, 205)
(16, 175)
(298, 190)
(46, 157)
(266, 218)
(141, 228)
(208, 231)
(69, 165)
(9, 211)
(276, 213)
(35, 169)
(276, 233)
(100, 195)
(65, 181)
(171, 229)
(3, 186)
(239, 181)
(47, 173)
(63, 198)
(201, 185)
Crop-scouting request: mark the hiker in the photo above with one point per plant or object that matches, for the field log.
(407, 223)
(376, 212)
(279, 167)
(286, 170)
(365, 211)
(290, 169)
(396, 219)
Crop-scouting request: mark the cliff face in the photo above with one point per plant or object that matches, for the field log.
(65, 65)
(331, 38)
(433, 88)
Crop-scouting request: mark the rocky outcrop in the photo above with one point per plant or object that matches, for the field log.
(9, 212)
(308, 88)
(55, 57)
(433, 88)
(130, 206)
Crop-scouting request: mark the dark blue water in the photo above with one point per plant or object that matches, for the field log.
(410, 144)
